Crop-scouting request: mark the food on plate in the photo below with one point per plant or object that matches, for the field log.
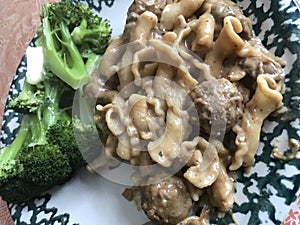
(45, 152)
(176, 58)
(181, 96)
(230, 99)
(73, 39)
(167, 201)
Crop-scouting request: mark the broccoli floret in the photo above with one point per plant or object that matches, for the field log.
(91, 39)
(90, 32)
(29, 100)
(73, 39)
(19, 166)
(80, 142)
(46, 165)
(45, 151)
(88, 139)
(31, 164)
(67, 142)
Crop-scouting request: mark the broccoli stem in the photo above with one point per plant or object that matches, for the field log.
(51, 107)
(72, 38)
(12, 151)
(75, 60)
(38, 132)
(66, 62)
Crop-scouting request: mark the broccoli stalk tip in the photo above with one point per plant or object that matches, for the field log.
(9, 164)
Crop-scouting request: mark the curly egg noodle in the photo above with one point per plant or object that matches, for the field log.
(182, 95)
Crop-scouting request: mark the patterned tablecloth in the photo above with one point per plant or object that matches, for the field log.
(14, 37)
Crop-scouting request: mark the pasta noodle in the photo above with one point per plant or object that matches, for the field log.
(165, 149)
(204, 174)
(265, 100)
(204, 28)
(183, 75)
(222, 191)
(227, 43)
(172, 11)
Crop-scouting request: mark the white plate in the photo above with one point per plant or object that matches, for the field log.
(263, 196)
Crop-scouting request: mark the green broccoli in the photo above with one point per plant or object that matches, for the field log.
(44, 163)
(31, 165)
(80, 142)
(45, 152)
(10, 166)
(28, 100)
(67, 142)
(73, 39)
(50, 144)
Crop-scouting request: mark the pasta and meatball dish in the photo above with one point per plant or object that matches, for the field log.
(182, 95)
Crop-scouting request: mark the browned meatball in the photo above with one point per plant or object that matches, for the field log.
(219, 105)
(166, 202)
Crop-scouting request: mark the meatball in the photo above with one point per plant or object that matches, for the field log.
(218, 103)
(166, 202)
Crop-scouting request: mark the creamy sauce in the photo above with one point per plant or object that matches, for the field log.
(223, 39)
